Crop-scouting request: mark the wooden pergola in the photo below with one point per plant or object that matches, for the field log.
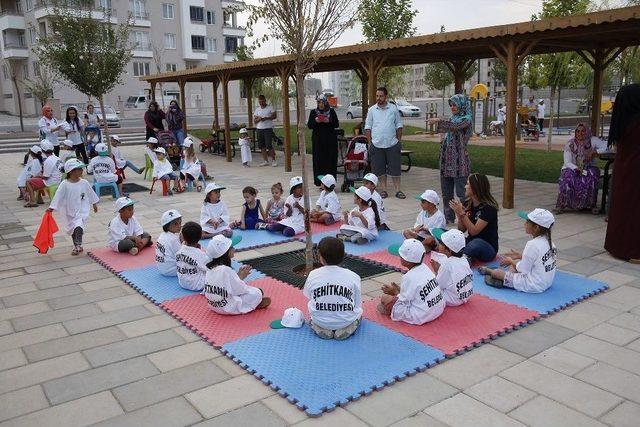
(598, 37)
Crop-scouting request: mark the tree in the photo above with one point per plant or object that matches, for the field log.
(438, 76)
(12, 69)
(305, 28)
(42, 84)
(90, 54)
(157, 51)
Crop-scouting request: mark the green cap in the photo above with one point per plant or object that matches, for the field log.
(437, 233)
(352, 189)
(394, 249)
(235, 239)
(276, 324)
(523, 215)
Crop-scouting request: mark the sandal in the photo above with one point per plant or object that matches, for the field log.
(30, 205)
(75, 251)
(401, 195)
(494, 283)
(384, 194)
(199, 188)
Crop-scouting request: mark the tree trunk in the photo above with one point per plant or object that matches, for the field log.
(161, 94)
(14, 79)
(300, 111)
(552, 95)
(106, 125)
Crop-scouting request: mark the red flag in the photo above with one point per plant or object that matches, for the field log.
(44, 237)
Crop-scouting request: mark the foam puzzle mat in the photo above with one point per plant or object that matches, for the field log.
(317, 375)
(117, 262)
(252, 239)
(384, 240)
(385, 258)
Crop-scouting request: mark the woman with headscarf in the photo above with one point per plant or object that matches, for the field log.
(153, 119)
(49, 127)
(578, 183)
(73, 128)
(175, 118)
(455, 165)
(623, 227)
(323, 122)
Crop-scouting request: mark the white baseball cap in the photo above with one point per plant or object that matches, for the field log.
(542, 217)
(152, 140)
(160, 150)
(123, 202)
(218, 246)
(188, 142)
(371, 177)
(296, 180)
(364, 193)
(46, 145)
(412, 250)
(72, 164)
(430, 196)
(68, 142)
(36, 149)
(213, 186)
(101, 148)
(168, 216)
(243, 130)
(292, 318)
(328, 180)
(452, 239)
(115, 138)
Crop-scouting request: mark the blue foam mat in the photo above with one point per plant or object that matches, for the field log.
(158, 288)
(567, 289)
(254, 239)
(317, 375)
(384, 240)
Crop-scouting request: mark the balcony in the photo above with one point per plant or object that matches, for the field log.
(141, 18)
(15, 49)
(228, 30)
(141, 50)
(43, 10)
(232, 4)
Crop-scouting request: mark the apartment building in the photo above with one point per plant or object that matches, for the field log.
(167, 35)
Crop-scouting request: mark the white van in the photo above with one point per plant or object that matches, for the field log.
(139, 101)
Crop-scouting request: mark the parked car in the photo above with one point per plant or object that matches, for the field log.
(354, 110)
(113, 119)
(139, 101)
(406, 109)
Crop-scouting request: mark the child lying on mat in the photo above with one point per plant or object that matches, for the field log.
(214, 215)
(418, 299)
(335, 302)
(191, 261)
(362, 222)
(125, 232)
(536, 269)
(168, 243)
(328, 207)
(225, 290)
(430, 217)
(293, 222)
(453, 273)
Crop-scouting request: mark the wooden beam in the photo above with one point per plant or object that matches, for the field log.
(183, 104)
(224, 79)
(586, 58)
(612, 56)
(362, 75)
(510, 126)
(248, 84)
(285, 73)
(153, 91)
(524, 49)
(216, 122)
(499, 54)
(372, 66)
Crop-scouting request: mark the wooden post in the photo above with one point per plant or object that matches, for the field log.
(183, 104)
(362, 75)
(224, 79)
(216, 121)
(510, 127)
(248, 84)
(459, 68)
(596, 102)
(371, 67)
(153, 91)
(284, 73)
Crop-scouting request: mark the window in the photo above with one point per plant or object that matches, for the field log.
(25, 71)
(36, 68)
(5, 71)
(197, 42)
(169, 41)
(228, 19)
(190, 65)
(171, 67)
(231, 44)
(33, 35)
(140, 40)
(211, 17)
(197, 14)
(139, 9)
(212, 44)
(141, 69)
(104, 4)
(28, 95)
(167, 11)
(29, 4)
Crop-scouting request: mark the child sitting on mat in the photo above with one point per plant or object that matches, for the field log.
(428, 218)
(418, 299)
(328, 206)
(253, 213)
(536, 269)
(225, 290)
(293, 223)
(453, 273)
(125, 232)
(362, 222)
(371, 182)
(168, 243)
(275, 205)
(214, 216)
(191, 261)
(335, 302)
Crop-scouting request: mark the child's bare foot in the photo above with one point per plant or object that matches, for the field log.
(264, 303)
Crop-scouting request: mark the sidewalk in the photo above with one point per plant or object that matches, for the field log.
(78, 346)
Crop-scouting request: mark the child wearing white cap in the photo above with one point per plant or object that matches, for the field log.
(225, 290)
(73, 200)
(50, 174)
(335, 301)
(244, 141)
(191, 261)
(125, 232)
(103, 167)
(328, 208)
(371, 182)
(430, 217)
(149, 149)
(66, 152)
(121, 162)
(214, 215)
(293, 222)
(536, 269)
(418, 299)
(168, 242)
(362, 222)
(31, 170)
(453, 272)
(163, 170)
(191, 168)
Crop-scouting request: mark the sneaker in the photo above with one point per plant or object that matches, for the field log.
(133, 251)
(342, 237)
(494, 283)
(141, 170)
(170, 193)
(361, 241)
(265, 163)
(274, 163)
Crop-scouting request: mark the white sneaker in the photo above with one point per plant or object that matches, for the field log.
(265, 163)
(274, 163)
(133, 251)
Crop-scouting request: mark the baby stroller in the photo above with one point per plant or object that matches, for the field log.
(168, 141)
(355, 161)
(92, 137)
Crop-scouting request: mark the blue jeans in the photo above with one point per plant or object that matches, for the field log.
(480, 250)
(447, 185)
(179, 136)
(131, 166)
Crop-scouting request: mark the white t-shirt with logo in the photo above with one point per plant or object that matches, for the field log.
(437, 220)
(296, 220)
(537, 268)
(51, 170)
(73, 202)
(118, 230)
(217, 212)
(329, 202)
(191, 267)
(162, 168)
(167, 245)
(369, 232)
(103, 169)
(455, 279)
(420, 299)
(334, 294)
(267, 111)
(121, 162)
(227, 293)
(380, 205)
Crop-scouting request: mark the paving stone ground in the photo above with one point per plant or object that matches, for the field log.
(79, 347)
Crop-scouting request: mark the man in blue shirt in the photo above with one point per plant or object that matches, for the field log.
(383, 128)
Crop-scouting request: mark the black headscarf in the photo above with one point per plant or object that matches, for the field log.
(626, 112)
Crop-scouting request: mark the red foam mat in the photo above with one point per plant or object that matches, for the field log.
(316, 227)
(117, 262)
(219, 329)
(384, 257)
(460, 328)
